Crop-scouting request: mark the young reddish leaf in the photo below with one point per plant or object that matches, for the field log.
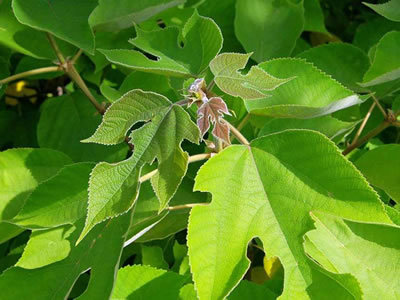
(213, 111)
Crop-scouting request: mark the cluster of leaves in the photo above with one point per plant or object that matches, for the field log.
(107, 109)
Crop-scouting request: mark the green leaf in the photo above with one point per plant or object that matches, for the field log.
(24, 39)
(260, 26)
(21, 170)
(313, 16)
(67, 20)
(327, 125)
(386, 63)
(370, 252)
(100, 252)
(202, 40)
(390, 10)
(46, 247)
(254, 85)
(251, 290)
(344, 62)
(154, 256)
(281, 186)
(381, 167)
(144, 282)
(159, 139)
(110, 17)
(65, 120)
(311, 93)
(60, 200)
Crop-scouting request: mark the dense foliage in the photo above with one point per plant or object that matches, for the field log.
(185, 149)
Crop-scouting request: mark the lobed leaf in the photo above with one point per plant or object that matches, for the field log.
(309, 94)
(202, 41)
(113, 187)
(281, 177)
(254, 85)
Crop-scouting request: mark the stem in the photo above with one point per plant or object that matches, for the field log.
(185, 206)
(380, 106)
(54, 45)
(237, 134)
(210, 85)
(76, 56)
(73, 73)
(364, 122)
(30, 73)
(191, 159)
(364, 139)
(243, 122)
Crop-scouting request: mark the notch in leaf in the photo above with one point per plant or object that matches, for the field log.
(113, 188)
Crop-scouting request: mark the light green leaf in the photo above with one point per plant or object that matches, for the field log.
(60, 200)
(65, 120)
(254, 85)
(55, 16)
(311, 93)
(390, 9)
(100, 252)
(158, 139)
(344, 62)
(260, 26)
(144, 282)
(110, 17)
(187, 292)
(202, 40)
(371, 252)
(327, 125)
(313, 16)
(46, 247)
(282, 177)
(381, 167)
(386, 63)
(21, 170)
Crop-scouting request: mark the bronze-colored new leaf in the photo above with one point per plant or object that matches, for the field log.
(213, 111)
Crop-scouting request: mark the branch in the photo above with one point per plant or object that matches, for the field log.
(237, 134)
(54, 45)
(193, 158)
(30, 73)
(385, 124)
(364, 122)
(380, 106)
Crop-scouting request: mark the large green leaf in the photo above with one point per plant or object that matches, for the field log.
(311, 93)
(24, 39)
(110, 17)
(202, 40)
(386, 63)
(344, 62)
(113, 188)
(381, 167)
(65, 120)
(145, 282)
(260, 26)
(267, 190)
(313, 16)
(390, 9)
(67, 20)
(100, 252)
(21, 170)
(371, 252)
(60, 200)
(254, 85)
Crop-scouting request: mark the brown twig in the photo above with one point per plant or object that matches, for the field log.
(364, 122)
(30, 73)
